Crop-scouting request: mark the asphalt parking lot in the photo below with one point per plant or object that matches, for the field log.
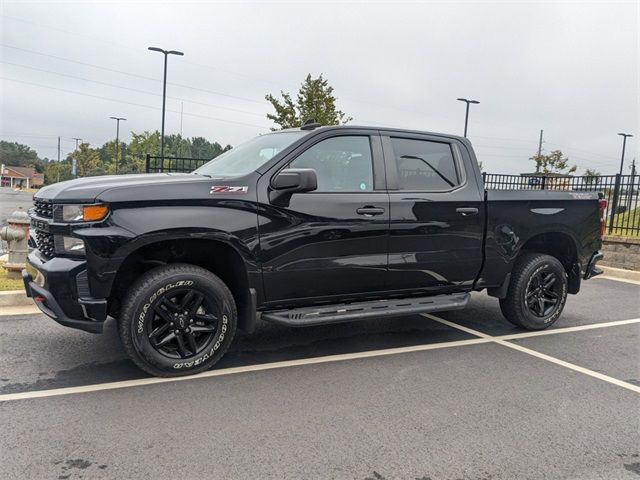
(457, 395)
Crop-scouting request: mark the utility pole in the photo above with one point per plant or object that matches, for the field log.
(539, 150)
(58, 148)
(181, 113)
(76, 139)
(466, 116)
(117, 119)
(164, 90)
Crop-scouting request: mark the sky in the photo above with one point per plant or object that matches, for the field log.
(569, 68)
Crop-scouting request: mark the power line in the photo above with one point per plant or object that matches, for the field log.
(129, 103)
(136, 90)
(122, 72)
(128, 48)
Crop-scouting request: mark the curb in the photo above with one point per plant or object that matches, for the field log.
(620, 273)
(14, 298)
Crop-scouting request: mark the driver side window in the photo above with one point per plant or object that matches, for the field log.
(342, 164)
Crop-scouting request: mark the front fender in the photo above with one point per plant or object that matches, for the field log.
(132, 228)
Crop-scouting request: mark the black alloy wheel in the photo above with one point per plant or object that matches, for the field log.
(542, 293)
(537, 291)
(177, 319)
(184, 323)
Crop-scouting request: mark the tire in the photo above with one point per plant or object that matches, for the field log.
(177, 320)
(537, 292)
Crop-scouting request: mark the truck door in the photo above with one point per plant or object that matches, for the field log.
(332, 241)
(437, 213)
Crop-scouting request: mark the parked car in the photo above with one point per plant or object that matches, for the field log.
(302, 227)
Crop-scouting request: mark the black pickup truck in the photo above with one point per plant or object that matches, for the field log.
(302, 227)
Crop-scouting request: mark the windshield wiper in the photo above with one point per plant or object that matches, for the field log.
(412, 157)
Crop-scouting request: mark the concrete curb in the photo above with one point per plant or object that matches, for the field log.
(14, 298)
(620, 273)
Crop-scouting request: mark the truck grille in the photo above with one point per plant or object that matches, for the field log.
(44, 242)
(43, 209)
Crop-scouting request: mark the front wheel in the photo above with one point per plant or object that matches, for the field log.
(177, 320)
(537, 292)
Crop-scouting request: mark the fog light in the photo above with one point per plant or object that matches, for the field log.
(69, 245)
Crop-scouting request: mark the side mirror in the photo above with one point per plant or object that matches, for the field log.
(296, 180)
(290, 181)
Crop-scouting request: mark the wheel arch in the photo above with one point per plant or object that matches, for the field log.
(556, 243)
(214, 254)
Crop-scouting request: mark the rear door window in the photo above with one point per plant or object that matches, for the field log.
(424, 165)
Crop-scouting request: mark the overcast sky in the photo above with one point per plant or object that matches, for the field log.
(571, 69)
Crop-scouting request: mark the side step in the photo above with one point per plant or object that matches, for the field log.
(349, 312)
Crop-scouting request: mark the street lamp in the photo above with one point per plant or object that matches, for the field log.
(624, 145)
(164, 90)
(466, 116)
(617, 188)
(117, 119)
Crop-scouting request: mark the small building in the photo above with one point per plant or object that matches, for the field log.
(20, 177)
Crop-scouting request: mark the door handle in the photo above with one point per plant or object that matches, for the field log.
(465, 212)
(370, 211)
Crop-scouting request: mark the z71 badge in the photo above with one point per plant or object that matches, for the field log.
(227, 189)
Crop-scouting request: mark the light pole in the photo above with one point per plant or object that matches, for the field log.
(164, 90)
(466, 116)
(117, 119)
(624, 145)
(617, 189)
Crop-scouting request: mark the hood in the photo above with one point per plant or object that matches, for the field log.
(88, 189)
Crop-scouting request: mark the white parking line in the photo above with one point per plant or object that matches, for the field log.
(230, 371)
(480, 339)
(503, 341)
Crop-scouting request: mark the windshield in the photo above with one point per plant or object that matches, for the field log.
(249, 156)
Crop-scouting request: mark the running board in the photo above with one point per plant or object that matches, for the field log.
(349, 312)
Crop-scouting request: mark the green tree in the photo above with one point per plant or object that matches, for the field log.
(19, 155)
(591, 176)
(140, 145)
(87, 161)
(554, 162)
(203, 148)
(107, 154)
(315, 100)
(55, 172)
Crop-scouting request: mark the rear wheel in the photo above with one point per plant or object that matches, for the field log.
(177, 320)
(537, 292)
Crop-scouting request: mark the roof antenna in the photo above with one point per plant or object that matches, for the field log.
(310, 124)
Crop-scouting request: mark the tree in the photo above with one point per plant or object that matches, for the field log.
(591, 176)
(87, 160)
(57, 172)
(19, 155)
(315, 101)
(553, 163)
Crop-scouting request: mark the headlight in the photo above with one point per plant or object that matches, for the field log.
(83, 213)
(72, 213)
(69, 245)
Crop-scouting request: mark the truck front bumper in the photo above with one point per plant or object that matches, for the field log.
(53, 285)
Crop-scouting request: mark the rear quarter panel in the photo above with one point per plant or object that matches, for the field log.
(514, 217)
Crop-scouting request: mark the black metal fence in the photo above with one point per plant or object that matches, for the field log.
(173, 164)
(620, 191)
